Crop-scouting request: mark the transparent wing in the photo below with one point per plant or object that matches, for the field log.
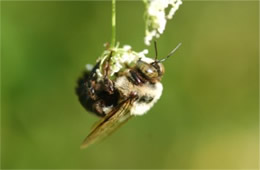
(109, 123)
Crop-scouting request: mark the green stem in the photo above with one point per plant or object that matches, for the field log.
(146, 16)
(113, 40)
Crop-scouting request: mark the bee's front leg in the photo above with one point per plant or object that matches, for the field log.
(108, 84)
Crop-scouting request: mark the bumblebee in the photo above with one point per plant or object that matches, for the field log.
(132, 91)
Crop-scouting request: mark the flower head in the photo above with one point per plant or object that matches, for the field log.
(156, 16)
(119, 59)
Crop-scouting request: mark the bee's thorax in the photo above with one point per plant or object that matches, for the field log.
(147, 94)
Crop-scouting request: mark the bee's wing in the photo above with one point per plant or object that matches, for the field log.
(109, 123)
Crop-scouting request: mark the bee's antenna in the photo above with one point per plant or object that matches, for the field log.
(156, 52)
(171, 53)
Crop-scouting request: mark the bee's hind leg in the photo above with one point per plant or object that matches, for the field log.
(98, 107)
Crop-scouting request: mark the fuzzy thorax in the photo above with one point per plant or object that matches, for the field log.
(148, 94)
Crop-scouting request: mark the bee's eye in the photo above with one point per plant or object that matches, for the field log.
(151, 72)
(147, 69)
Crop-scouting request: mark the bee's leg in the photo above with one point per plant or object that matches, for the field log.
(92, 86)
(91, 83)
(98, 107)
(108, 84)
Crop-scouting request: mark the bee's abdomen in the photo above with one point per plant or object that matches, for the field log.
(82, 92)
(93, 97)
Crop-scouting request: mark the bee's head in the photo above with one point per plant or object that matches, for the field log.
(154, 70)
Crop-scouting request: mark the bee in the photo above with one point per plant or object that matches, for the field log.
(131, 92)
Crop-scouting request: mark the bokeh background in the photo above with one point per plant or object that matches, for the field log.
(207, 116)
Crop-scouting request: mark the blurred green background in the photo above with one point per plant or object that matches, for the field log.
(207, 116)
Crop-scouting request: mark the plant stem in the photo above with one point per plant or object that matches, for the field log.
(146, 17)
(113, 40)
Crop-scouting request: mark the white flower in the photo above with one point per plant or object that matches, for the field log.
(89, 67)
(156, 17)
(175, 6)
(99, 73)
(149, 36)
(121, 57)
(127, 47)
